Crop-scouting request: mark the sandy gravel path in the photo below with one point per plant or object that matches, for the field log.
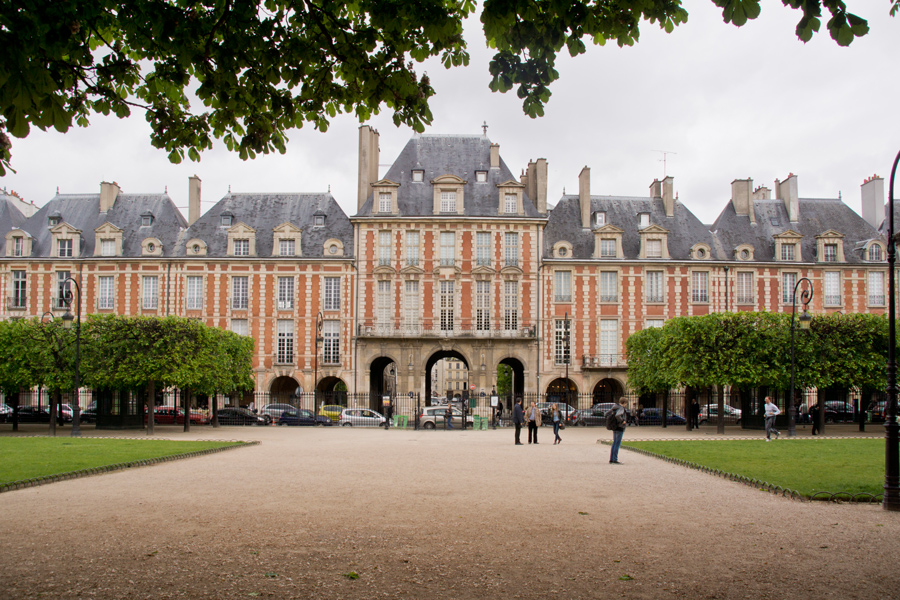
(433, 515)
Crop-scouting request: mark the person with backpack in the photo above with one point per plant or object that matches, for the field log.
(615, 422)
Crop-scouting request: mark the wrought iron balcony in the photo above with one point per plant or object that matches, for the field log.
(603, 361)
(16, 302)
(433, 329)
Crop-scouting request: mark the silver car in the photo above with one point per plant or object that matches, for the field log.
(360, 417)
(433, 417)
(275, 410)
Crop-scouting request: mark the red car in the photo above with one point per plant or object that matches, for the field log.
(168, 415)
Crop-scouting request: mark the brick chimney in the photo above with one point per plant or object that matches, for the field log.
(193, 199)
(584, 197)
(872, 191)
(538, 179)
(787, 191)
(495, 156)
(656, 189)
(368, 163)
(108, 194)
(742, 198)
(668, 195)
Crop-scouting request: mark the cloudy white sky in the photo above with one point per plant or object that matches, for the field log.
(726, 102)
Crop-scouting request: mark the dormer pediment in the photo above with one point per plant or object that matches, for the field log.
(449, 179)
(287, 227)
(241, 228)
(64, 229)
(385, 183)
(511, 183)
(790, 234)
(108, 229)
(613, 230)
(652, 229)
(831, 233)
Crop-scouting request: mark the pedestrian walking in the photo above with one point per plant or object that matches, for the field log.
(695, 414)
(518, 420)
(615, 422)
(533, 416)
(772, 411)
(554, 414)
(814, 413)
(448, 416)
(498, 414)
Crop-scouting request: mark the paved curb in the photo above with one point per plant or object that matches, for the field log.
(36, 481)
(861, 498)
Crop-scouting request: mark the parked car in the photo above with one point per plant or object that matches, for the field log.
(604, 406)
(88, 415)
(589, 417)
(274, 410)
(838, 411)
(432, 417)
(360, 417)
(332, 411)
(6, 413)
(234, 415)
(302, 416)
(34, 414)
(169, 415)
(710, 412)
(653, 416)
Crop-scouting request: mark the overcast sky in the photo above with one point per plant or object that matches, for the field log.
(726, 102)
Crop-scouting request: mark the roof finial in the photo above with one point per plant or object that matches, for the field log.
(229, 188)
(329, 188)
(166, 190)
(57, 190)
(484, 126)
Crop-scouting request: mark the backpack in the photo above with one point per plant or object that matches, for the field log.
(612, 419)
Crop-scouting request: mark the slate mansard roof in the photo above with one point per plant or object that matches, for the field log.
(265, 212)
(685, 229)
(10, 217)
(439, 155)
(816, 217)
(82, 211)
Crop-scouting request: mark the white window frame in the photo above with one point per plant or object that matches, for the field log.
(654, 248)
(744, 287)
(384, 202)
(831, 284)
(609, 341)
(482, 305)
(483, 248)
(331, 345)
(448, 248)
(562, 354)
(511, 249)
(788, 283)
(609, 286)
(383, 310)
(510, 204)
(285, 293)
(384, 248)
(448, 201)
(829, 252)
(18, 246)
(240, 326)
(447, 305)
(562, 286)
(411, 303)
(287, 247)
(106, 299)
(510, 305)
(240, 292)
(700, 287)
(193, 292)
(19, 289)
(655, 286)
(607, 247)
(107, 247)
(875, 282)
(332, 293)
(65, 248)
(788, 252)
(651, 323)
(62, 286)
(150, 292)
(412, 248)
(242, 247)
(285, 339)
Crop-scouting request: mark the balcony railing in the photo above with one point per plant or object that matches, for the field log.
(16, 302)
(285, 304)
(433, 329)
(602, 361)
(876, 300)
(448, 262)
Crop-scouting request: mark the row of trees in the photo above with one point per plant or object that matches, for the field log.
(124, 353)
(753, 349)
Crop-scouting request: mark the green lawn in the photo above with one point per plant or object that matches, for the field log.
(805, 466)
(27, 458)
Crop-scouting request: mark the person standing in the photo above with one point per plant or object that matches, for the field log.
(533, 416)
(518, 420)
(448, 417)
(615, 422)
(554, 414)
(772, 411)
(814, 413)
(695, 414)
(498, 414)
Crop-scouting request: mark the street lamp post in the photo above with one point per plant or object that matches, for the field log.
(891, 427)
(568, 359)
(805, 297)
(320, 322)
(67, 323)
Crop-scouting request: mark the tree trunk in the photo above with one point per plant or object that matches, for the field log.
(151, 406)
(720, 424)
(186, 403)
(665, 409)
(54, 403)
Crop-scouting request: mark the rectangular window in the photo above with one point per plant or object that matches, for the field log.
(412, 248)
(609, 347)
(194, 293)
(655, 323)
(384, 202)
(607, 248)
(62, 286)
(562, 286)
(239, 326)
(286, 247)
(19, 296)
(332, 343)
(418, 175)
(643, 220)
(511, 249)
(830, 252)
(65, 248)
(240, 297)
(482, 305)
(285, 293)
(876, 288)
(384, 248)
(285, 342)
(609, 286)
(654, 286)
(654, 248)
(832, 288)
(745, 293)
(699, 286)
(332, 300)
(787, 251)
(448, 248)
(411, 305)
(383, 303)
(242, 247)
(599, 219)
(19, 246)
(447, 305)
(511, 305)
(448, 202)
(561, 338)
(105, 297)
(510, 204)
(788, 281)
(483, 249)
(107, 247)
(151, 291)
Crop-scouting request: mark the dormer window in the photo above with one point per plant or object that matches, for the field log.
(876, 253)
(788, 252)
(830, 253)
(242, 247)
(787, 246)
(227, 218)
(654, 248)
(146, 219)
(448, 202)
(480, 176)
(53, 221)
(384, 202)
(607, 248)
(599, 219)
(65, 248)
(107, 247)
(319, 221)
(511, 204)
(418, 175)
(19, 246)
(644, 220)
(286, 248)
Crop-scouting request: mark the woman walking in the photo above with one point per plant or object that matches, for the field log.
(554, 414)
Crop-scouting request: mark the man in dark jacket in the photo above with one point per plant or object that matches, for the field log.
(518, 420)
(615, 422)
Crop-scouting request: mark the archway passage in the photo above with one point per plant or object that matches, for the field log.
(331, 390)
(559, 392)
(510, 381)
(285, 385)
(430, 364)
(607, 390)
(382, 382)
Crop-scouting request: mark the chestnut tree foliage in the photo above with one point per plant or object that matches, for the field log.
(247, 72)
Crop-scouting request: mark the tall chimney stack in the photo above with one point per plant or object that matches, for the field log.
(193, 199)
(668, 195)
(788, 192)
(872, 191)
(368, 163)
(108, 194)
(584, 196)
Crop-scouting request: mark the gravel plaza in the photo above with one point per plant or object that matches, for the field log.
(338, 513)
